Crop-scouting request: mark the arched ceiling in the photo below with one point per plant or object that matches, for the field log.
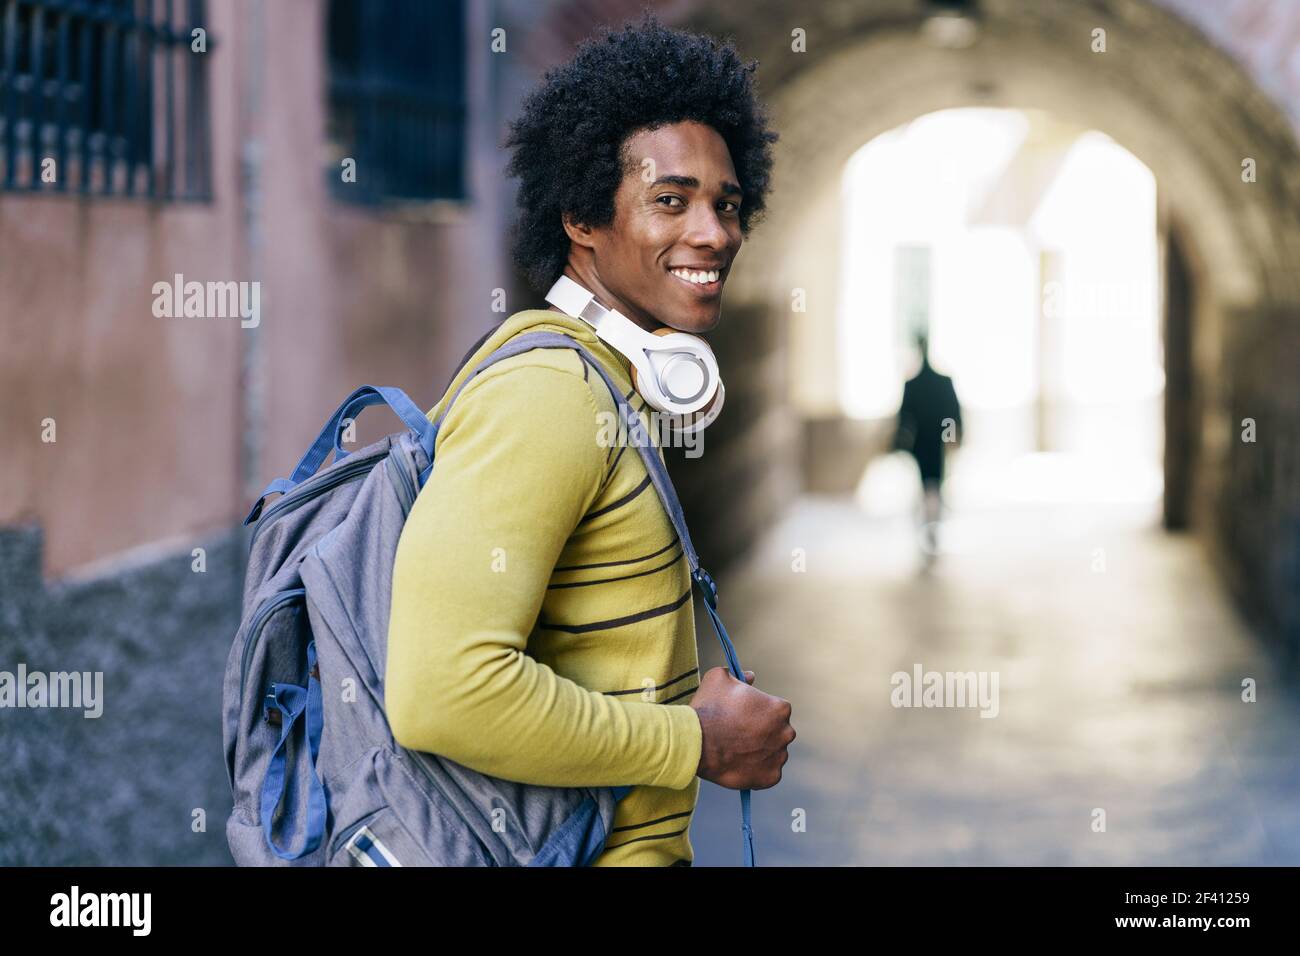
(1161, 89)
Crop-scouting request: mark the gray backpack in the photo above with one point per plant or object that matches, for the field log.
(316, 777)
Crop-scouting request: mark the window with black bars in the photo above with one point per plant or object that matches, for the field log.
(104, 98)
(397, 99)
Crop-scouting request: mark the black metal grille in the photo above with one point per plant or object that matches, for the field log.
(111, 91)
(397, 99)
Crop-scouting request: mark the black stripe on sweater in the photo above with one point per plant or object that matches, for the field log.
(650, 823)
(621, 501)
(625, 577)
(620, 621)
(611, 564)
(658, 836)
(644, 406)
(610, 470)
(681, 695)
(637, 690)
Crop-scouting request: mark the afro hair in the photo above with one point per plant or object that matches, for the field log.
(569, 138)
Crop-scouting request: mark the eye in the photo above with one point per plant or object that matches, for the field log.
(671, 196)
(735, 206)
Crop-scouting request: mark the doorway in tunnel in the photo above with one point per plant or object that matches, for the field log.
(1024, 250)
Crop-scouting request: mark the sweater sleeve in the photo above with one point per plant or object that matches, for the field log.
(518, 464)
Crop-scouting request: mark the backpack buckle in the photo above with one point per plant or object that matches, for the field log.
(273, 715)
(705, 581)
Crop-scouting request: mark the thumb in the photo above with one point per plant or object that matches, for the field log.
(749, 677)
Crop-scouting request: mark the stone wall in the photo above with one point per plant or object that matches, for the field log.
(144, 783)
(747, 469)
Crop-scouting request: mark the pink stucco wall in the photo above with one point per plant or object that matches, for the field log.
(148, 410)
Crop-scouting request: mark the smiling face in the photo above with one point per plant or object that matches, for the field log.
(666, 255)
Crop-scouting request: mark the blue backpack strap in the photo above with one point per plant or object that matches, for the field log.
(330, 434)
(523, 343)
(703, 580)
(667, 494)
(293, 702)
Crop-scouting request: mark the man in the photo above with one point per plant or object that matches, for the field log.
(542, 626)
(929, 419)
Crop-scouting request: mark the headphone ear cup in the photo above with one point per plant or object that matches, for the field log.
(703, 412)
(662, 330)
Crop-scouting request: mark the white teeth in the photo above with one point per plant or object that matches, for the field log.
(698, 278)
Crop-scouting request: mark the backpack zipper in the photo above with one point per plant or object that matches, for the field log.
(406, 493)
(341, 839)
(419, 758)
(259, 619)
(293, 499)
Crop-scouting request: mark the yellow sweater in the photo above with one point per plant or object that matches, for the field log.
(542, 626)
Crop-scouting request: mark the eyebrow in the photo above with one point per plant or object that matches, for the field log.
(690, 182)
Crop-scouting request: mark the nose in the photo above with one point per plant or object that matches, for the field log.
(705, 230)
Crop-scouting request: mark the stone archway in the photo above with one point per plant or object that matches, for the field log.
(1162, 90)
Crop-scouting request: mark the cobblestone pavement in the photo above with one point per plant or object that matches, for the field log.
(1120, 668)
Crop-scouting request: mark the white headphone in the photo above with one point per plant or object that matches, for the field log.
(675, 372)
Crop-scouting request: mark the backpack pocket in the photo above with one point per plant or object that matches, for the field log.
(389, 815)
(273, 648)
(376, 839)
(271, 748)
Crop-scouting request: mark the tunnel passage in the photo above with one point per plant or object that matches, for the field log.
(1162, 89)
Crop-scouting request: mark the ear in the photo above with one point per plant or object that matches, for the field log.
(578, 233)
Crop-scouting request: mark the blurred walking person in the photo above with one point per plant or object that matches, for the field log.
(929, 419)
